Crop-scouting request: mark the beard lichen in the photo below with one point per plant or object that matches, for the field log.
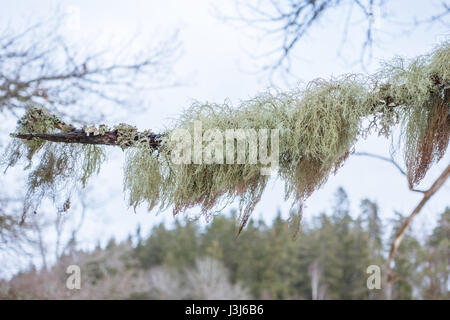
(318, 127)
(35, 120)
(427, 133)
(325, 122)
(59, 168)
(152, 177)
(143, 176)
(421, 91)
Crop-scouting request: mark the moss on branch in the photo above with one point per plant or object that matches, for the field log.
(318, 127)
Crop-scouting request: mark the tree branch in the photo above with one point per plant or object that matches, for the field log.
(390, 160)
(427, 194)
(79, 136)
(402, 230)
(38, 66)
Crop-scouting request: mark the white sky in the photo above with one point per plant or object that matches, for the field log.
(214, 66)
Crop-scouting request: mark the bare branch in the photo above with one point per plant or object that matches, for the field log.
(402, 230)
(436, 17)
(289, 22)
(39, 67)
(390, 160)
(79, 136)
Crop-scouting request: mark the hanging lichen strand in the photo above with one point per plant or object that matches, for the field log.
(318, 126)
(60, 166)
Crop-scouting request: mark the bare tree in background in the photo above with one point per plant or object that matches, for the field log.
(105, 274)
(288, 22)
(207, 280)
(427, 195)
(42, 239)
(13, 237)
(38, 65)
(318, 289)
(210, 280)
(165, 283)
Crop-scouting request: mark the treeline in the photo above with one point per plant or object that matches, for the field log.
(327, 260)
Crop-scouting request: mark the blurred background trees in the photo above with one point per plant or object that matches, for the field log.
(85, 82)
(41, 65)
(327, 260)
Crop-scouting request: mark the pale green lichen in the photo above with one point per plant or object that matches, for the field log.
(125, 135)
(59, 170)
(143, 178)
(59, 167)
(420, 89)
(53, 170)
(318, 127)
(440, 63)
(94, 131)
(35, 120)
(90, 163)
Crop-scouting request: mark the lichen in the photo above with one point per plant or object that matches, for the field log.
(125, 135)
(143, 178)
(36, 120)
(90, 163)
(421, 89)
(59, 168)
(94, 131)
(318, 127)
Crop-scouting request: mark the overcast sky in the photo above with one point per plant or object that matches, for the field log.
(216, 63)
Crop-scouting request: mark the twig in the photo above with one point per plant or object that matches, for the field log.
(79, 136)
(401, 232)
(390, 160)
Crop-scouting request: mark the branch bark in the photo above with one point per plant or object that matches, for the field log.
(401, 232)
(79, 136)
(427, 194)
(111, 137)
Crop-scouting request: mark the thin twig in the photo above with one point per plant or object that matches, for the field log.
(79, 136)
(390, 160)
(402, 230)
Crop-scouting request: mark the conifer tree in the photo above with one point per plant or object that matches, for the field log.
(436, 260)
